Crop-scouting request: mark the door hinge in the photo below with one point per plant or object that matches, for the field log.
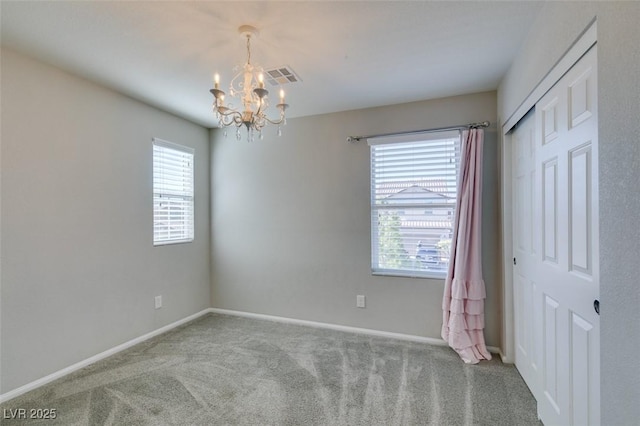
(514, 261)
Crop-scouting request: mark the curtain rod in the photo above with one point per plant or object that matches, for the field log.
(413, 132)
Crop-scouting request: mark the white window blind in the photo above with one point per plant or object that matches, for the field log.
(413, 200)
(172, 193)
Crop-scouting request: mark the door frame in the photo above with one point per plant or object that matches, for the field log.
(580, 46)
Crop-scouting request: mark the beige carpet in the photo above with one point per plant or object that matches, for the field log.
(236, 371)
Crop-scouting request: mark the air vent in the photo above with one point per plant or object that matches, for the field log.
(281, 75)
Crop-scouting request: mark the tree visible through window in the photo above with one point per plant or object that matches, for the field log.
(413, 196)
(173, 220)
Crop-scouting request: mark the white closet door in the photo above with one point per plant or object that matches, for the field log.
(525, 240)
(565, 206)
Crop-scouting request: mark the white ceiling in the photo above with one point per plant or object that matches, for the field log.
(349, 55)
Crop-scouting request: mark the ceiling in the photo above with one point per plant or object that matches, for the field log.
(350, 55)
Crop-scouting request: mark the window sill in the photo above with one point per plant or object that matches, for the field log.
(169, 243)
(412, 274)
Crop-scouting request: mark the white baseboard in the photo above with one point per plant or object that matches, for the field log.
(505, 359)
(77, 366)
(358, 330)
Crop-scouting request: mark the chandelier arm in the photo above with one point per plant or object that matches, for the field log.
(260, 111)
(237, 120)
(282, 107)
(230, 117)
(226, 121)
(229, 112)
(275, 121)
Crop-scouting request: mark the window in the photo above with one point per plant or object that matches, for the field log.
(172, 193)
(413, 200)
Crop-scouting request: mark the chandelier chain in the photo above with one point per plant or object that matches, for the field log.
(248, 49)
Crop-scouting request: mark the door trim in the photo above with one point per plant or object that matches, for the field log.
(583, 43)
(579, 47)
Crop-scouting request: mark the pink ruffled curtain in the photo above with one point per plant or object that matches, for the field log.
(464, 292)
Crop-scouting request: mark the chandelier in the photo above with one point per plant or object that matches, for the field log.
(248, 88)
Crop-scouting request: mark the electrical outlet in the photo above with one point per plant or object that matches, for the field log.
(360, 301)
(158, 300)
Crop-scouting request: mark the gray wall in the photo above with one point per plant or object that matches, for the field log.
(557, 26)
(291, 221)
(79, 270)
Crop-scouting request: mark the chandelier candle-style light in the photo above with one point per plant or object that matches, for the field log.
(248, 87)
